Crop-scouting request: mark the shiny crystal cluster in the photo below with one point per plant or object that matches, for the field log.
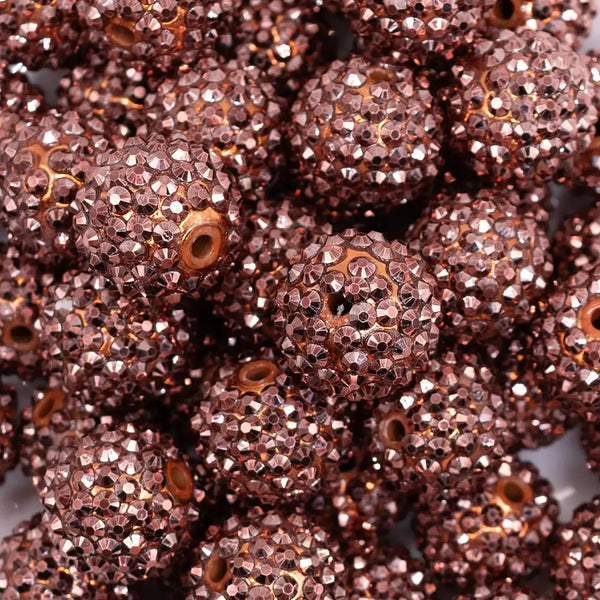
(280, 279)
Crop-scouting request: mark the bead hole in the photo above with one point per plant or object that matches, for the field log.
(338, 304)
(378, 74)
(21, 336)
(120, 36)
(202, 246)
(258, 373)
(513, 492)
(595, 319)
(44, 408)
(179, 481)
(395, 430)
(504, 9)
(217, 572)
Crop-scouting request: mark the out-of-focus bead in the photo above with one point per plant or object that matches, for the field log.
(8, 430)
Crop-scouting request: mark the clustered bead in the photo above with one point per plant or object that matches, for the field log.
(499, 528)
(365, 135)
(8, 430)
(521, 108)
(590, 440)
(357, 313)
(17, 95)
(490, 257)
(502, 589)
(121, 501)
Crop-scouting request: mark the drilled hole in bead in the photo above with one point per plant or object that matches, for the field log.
(179, 481)
(590, 319)
(338, 304)
(216, 574)
(258, 373)
(513, 492)
(20, 337)
(377, 74)
(395, 430)
(202, 246)
(46, 407)
(504, 10)
(120, 36)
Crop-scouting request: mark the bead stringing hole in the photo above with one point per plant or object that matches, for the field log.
(21, 336)
(338, 304)
(120, 35)
(513, 492)
(504, 9)
(217, 572)
(179, 480)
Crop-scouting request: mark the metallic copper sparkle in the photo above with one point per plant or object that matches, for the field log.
(365, 135)
(446, 426)
(121, 503)
(103, 347)
(17, 95)
(358, 313)
(490, 257)
(501, 528)
(266, 554)
(575, 568)
(590, 440)
(8, 430)
(502, 589)
(158, 216)
(43, 161)
(521, 107)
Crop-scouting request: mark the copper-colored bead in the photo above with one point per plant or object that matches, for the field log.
(39, 33)
(273, 233)
(17, 95)
(158, 216)
(391, 575)
(359, 313)
(32, 568)
(447, 426)
(567, 346)
(268, 439)
(22, 286)
(164, 34)
(365, 135)
(8, 430)
(570, 21)
(502, 589)
(260, 555)
(522, 107)
(534, 413)
(43, 161)
(590, 440)
(121, 501)
(414, 30)
(576, 555)
(107, 349)
(231, 111)
(491, 259)
(499, 528)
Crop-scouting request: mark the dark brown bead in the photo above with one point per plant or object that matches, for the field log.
(590, 440)
(8, 430)
(121, 503)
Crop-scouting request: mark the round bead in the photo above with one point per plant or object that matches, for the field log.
(261, 555)
(502, 589)
(575, 566)
(446, 426)
(230, 110)
(158, 217)
(266, 438)
(8, 431)
(43, 161)
(365, 135)
(121, 501)
(499, 528)
(569, 21)
(105, 348)
(568, 340)
(414, 30)
(17, 95)
(357, 313)
(490, 257)
(521, 108)
(590, 440)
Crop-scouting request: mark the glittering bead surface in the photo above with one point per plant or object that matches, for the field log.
(500, 528)
(8, 430)
(365, 134)
(266, 555)
(120, 501)
(358, 313)
(502, 589)
(447, 426)
(491, 259)
(590, 440)
(230, 110)
(521, 107)
(157, 217)
(17, 94)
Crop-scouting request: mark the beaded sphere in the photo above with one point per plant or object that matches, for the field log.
(22, 286)
(502, 589)
(268, 439)
(32, 568)
(158, 217)
(569, 21)
(162, 34)
(499, 528)
(17, 95)
(575, 568)
(414, 30)
(39, 33)
(568, 340)
(447, 425)
(590, 440)
(121, 500)
(358, 313)
(107, 349)
(521, 107)
(229, 109)
(490, 257)
(391, 575)
(8, 430)
(43, 162)
(365, 135)
(266, 555)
